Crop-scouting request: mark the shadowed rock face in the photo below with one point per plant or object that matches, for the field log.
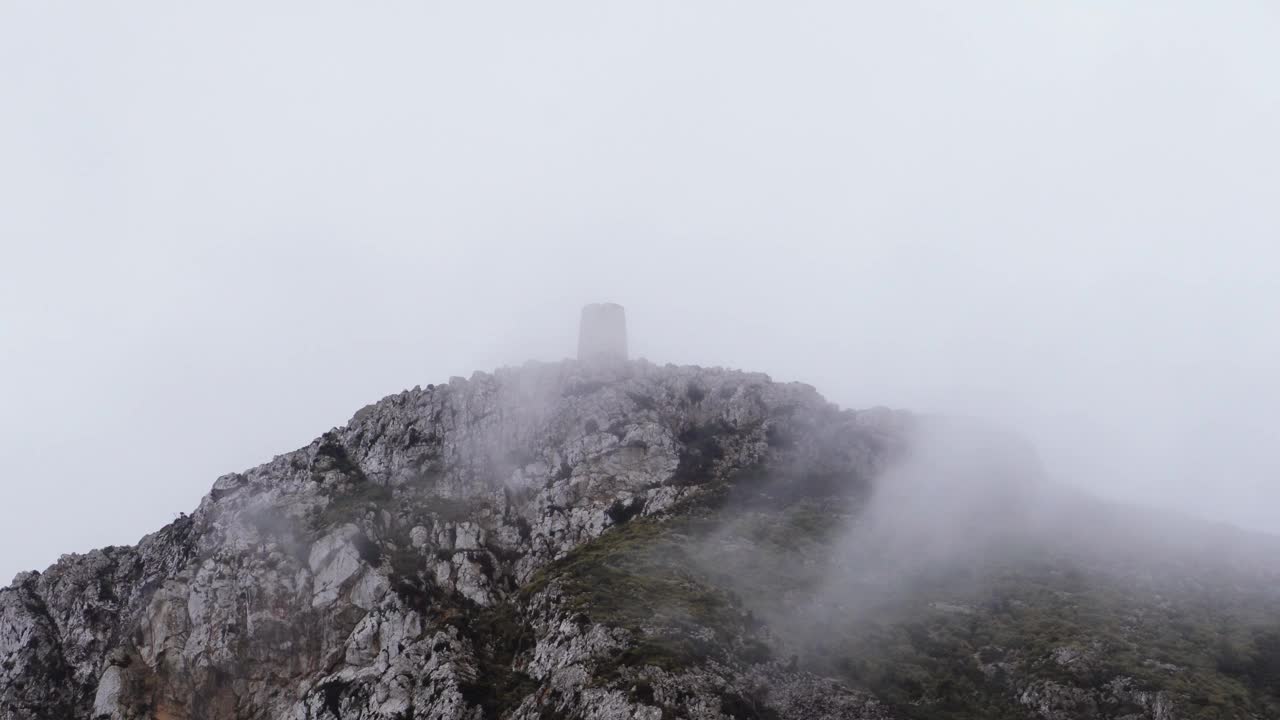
(396, 567)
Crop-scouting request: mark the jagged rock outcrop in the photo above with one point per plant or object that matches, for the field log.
(623, 540)
(396, 567)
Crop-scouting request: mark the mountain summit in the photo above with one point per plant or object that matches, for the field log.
(415, 563)
(625, 540)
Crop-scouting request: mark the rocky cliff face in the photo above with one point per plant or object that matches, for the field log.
(621, 540)
(417, 563)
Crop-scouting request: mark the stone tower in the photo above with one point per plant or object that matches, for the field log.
(602, 336)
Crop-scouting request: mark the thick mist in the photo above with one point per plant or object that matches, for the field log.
(964, 532)
(224, 229)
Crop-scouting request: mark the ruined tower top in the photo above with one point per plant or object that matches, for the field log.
(602, 336)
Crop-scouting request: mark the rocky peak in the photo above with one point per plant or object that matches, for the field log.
(354, 577)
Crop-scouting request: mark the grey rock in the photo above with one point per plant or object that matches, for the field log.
(328, 582)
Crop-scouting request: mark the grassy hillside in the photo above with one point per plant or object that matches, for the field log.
(1019, 627)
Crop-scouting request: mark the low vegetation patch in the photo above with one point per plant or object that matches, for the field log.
(351, 502)
(952, 647)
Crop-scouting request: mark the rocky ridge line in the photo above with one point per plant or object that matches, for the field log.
(383, 571)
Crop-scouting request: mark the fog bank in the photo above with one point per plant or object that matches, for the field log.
(226, 228)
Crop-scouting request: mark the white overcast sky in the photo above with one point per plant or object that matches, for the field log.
(226, 226)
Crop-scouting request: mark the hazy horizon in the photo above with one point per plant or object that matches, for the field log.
(226, 230)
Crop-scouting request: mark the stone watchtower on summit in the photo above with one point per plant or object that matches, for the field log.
(602, 335)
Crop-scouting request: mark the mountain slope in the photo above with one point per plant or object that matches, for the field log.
(558, 540)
